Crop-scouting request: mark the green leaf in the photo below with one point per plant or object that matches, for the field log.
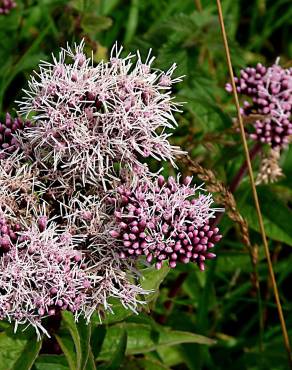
(142, 338)
(107, 6)
(91, 362)
(29, 355)
(132, 21)
(92, 23)
(145, 363)
(4, 325)
(97, 338)
(170, 356)
(276, 215)
(51, 362)
(76, 352)
(18, 352)
(84, 331)
(70, 324)
(152, 278)
(119, 313)
(27, 60)
(67, 345)
(119, 354)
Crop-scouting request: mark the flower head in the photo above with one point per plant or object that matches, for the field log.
(270, 170)
(270, 92)
(165, 220)
(40, 275)
(89, 118)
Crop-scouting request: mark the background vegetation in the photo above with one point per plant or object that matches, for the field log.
(210, 320)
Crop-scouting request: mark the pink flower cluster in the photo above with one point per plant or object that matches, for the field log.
(39, 276)
(66, 264)
(91, 118)
(78, 201)
(165, 220)
(8, 235)
(270, 93)
(8, 129)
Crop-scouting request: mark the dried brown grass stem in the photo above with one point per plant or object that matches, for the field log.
(253, 186)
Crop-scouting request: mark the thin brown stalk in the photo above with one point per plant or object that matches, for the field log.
(198, 5)
(254, 191)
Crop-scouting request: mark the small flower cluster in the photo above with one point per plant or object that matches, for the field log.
(20, 187)
(6, 6)
(165, 220)
(77, 201)
(8, 234)
(270, 93)
(89, 118)
(39, 276)
(8, 129)
(270, 171)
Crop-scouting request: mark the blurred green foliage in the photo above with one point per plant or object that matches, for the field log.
(213, 320)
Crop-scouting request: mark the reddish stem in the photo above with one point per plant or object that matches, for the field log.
(172, 293)
(240, 174)
(238, 177)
